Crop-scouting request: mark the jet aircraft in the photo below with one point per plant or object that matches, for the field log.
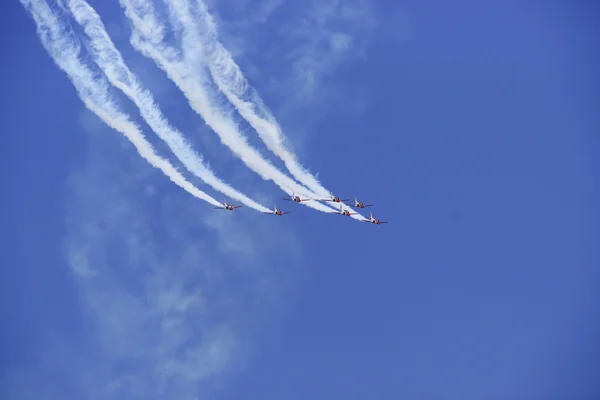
(334, 199)
(374, 220)
(276, 211)
(227, 207)
(295, 198)
(343, 212)
(359, 204)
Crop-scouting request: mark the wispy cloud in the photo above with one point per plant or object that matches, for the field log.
(171, 295)
(248, 12)
(309, 44)
(329, 33)
(167, 305)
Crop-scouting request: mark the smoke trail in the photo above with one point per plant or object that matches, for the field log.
(232, 83)
(109, 59)
(184, 69)
(93, 90)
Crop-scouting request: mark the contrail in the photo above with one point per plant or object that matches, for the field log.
(93, 90)
(185, 70)
(232, 83)
(110, 60)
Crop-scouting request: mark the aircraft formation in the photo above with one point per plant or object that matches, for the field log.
(200, 44)
(334, 199)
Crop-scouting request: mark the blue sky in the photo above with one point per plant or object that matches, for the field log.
(471, 127)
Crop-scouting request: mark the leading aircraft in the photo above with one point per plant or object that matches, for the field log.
(334, 199)
(295, 198)
(359, 204)
(276, 211)
(374, 220)
(343, 212)
(227, 207)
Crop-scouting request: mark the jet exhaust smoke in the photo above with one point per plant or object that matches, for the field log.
(231, 82)
(92, 89)
(110, 60)
(184, 69)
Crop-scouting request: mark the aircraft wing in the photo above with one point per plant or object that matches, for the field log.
(220, 208)
(287, 212)
(287, 198)
(238, 206)
(271, 212)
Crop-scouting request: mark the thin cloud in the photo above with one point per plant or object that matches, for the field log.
(313, 42)
(166, 315)
(330, 33)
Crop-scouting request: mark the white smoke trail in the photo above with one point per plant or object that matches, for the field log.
(93, 90)
(185, 70)
(232, 83)
(110, 60)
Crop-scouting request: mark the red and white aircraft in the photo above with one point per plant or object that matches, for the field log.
(373, 220)
(359, 204)
(227, 207)
(276, 211)
(343, 212)
(334, 199)
(295, 198)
